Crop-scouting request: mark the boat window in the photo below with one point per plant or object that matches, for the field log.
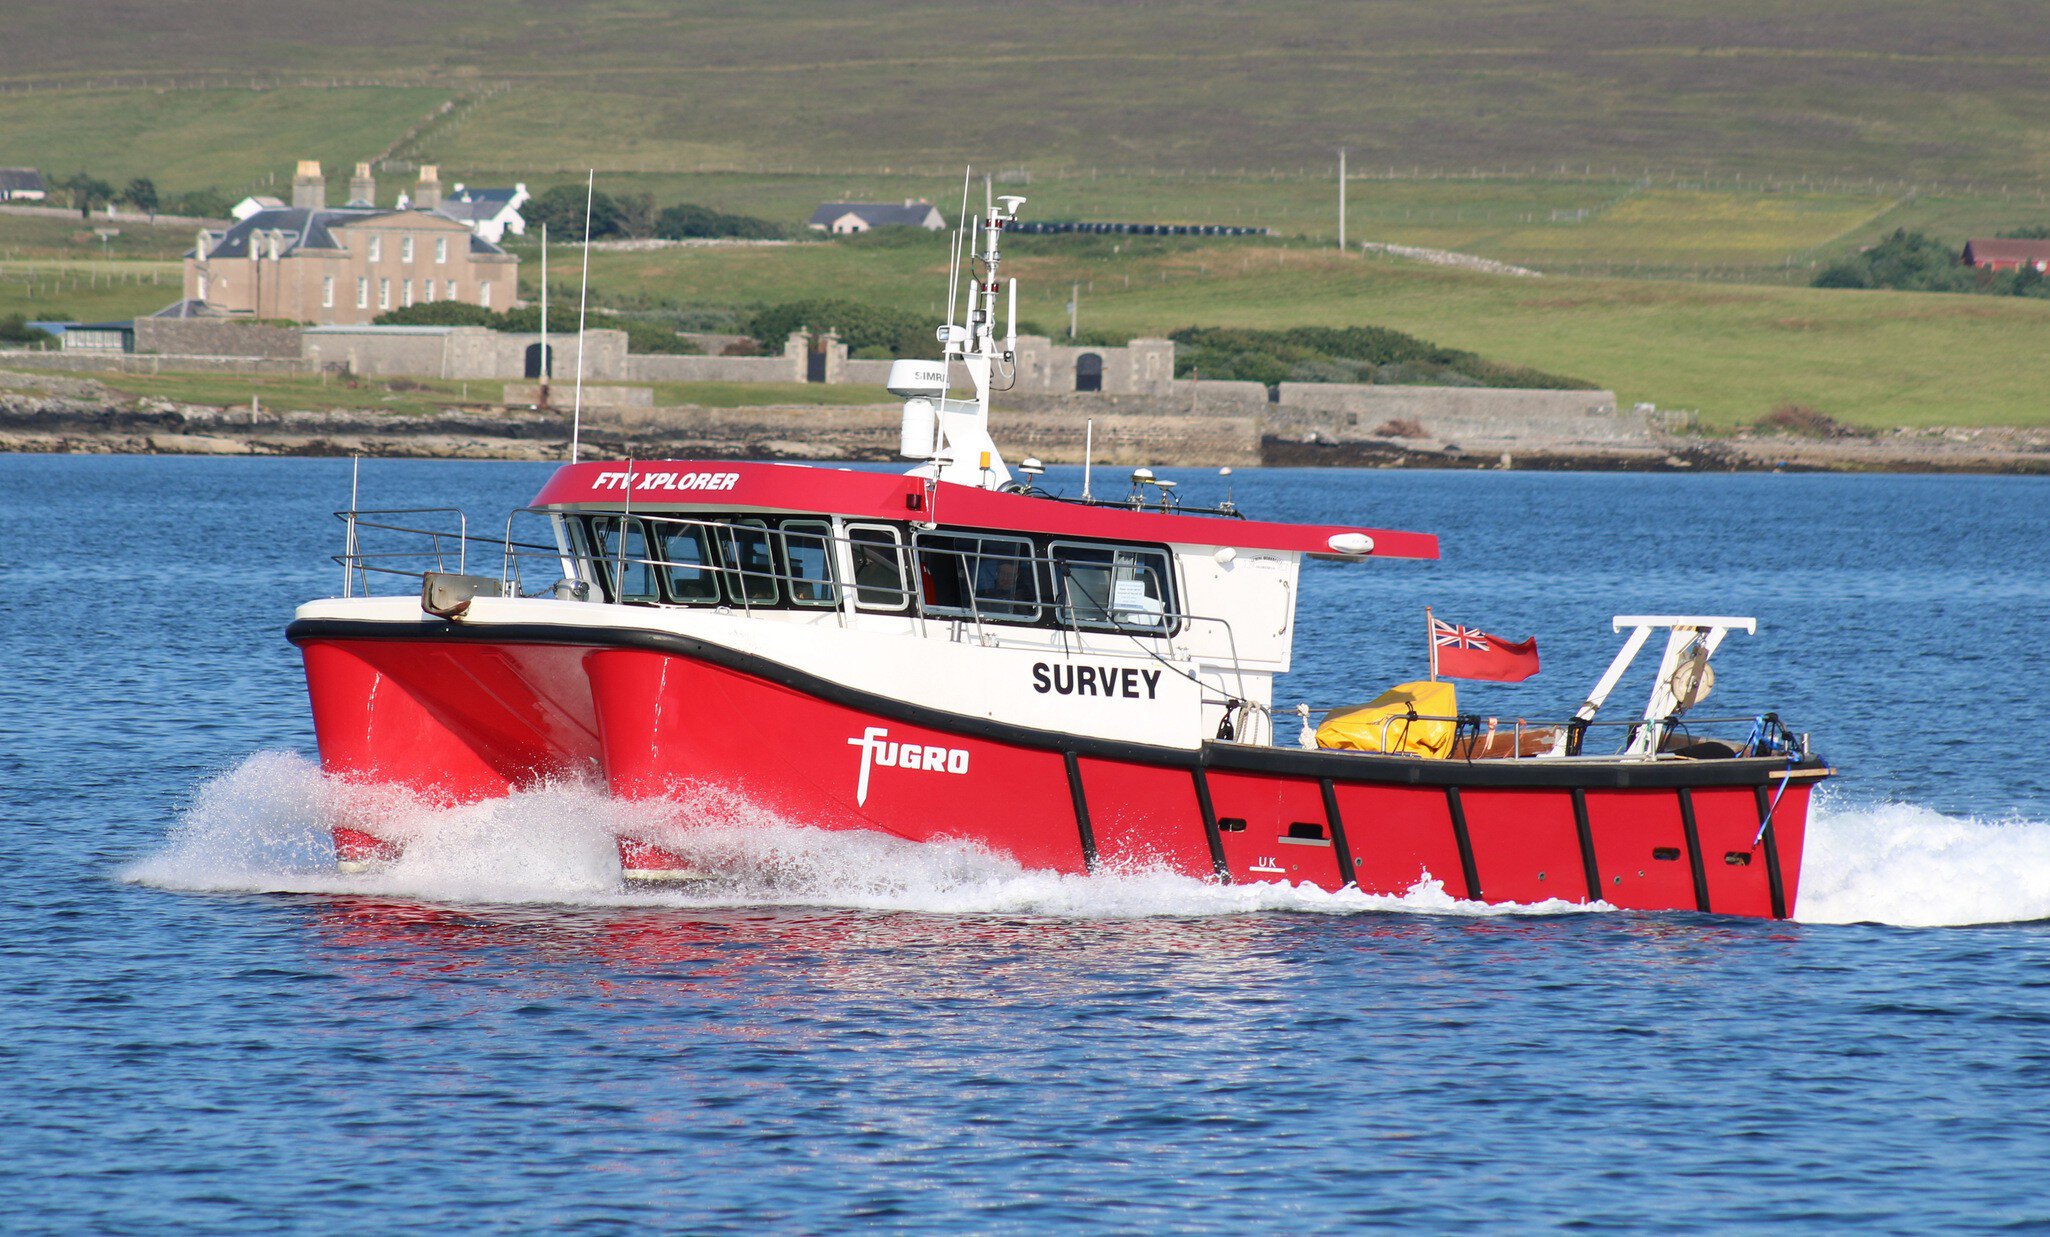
(746, 548)
(971, 576)
(625, 574)
(690, 569)
(1110, 586)
(878, 557)
(808, 562)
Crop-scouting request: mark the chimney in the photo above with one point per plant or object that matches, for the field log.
(362, 187)
(427, 194)
(309, 189)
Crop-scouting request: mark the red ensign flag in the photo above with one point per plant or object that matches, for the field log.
(1463, 653)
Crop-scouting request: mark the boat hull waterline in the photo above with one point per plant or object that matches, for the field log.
(465, 713)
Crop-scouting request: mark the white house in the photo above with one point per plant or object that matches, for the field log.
(840, 218)
(489, 213)
(253, 205)
(22, 185)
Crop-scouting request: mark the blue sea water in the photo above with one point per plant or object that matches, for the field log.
(201, 1030)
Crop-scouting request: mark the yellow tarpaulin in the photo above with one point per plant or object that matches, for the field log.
(1361, 727)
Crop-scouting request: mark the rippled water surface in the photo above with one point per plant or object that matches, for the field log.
(202, 1027)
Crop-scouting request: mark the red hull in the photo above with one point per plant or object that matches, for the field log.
(464, 715)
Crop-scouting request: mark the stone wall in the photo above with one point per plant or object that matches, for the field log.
(215, 337)
(125, 363)
(563, 394)
(1471, 418)
(1142, 367)
(663, 368)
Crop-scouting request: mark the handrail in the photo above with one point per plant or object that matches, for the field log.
(1565, 727)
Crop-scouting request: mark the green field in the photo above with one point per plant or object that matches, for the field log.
(236, 140)
(1731, 352)
(1835, 88)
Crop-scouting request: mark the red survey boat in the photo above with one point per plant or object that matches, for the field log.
(952, 653)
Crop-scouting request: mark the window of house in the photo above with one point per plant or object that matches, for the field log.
(376, 248)
(967, 575)
(427, 286)
(406, 292)
(202, 287)
(440, 250)
(384, 294)
(362, 294)
(808, 562)
(327, 291)
(484, 294)
(405, 249)
(877, 555)
(451, 290)
(1110, 587)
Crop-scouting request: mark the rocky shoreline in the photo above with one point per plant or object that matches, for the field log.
(78, 416)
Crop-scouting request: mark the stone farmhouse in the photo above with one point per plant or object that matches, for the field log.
(841, 218)
(311, 262)
(22, 185)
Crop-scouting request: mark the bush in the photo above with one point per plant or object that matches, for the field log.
(562, 209)
(1345, 354)
(686, 221)
(859, 326)
(1801, 421)
(1912, 262)
(895, 236)
(440, 313)
(649, 337)
(14, 329)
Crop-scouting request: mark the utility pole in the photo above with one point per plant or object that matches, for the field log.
(1341, 199)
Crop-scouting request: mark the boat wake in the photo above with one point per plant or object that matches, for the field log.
(260, 828)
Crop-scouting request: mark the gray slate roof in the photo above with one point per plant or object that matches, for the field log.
(878, 214)
(308, 229)
(21, 180)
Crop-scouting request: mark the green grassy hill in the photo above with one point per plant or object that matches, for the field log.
(1886, 89)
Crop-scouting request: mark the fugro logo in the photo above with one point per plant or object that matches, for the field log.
(878, 749)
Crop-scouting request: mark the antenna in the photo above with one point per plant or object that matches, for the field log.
(349, 551)
(1341, 199)
(619, 546)
(954, 267)
(544, 366)
(583, 299)
(1088, 454)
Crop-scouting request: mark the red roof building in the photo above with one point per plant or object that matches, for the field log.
(2002, 254)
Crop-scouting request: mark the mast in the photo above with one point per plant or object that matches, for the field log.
(961, 450)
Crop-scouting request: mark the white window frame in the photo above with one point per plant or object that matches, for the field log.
(405, 249)
(406, 292)
(905, 591)
(327, 291)
(451, 292)
(1164, 568)
(384, 294)
(441, 251)
(484, 294)
(429, 288)
(376, 248)
(362, 291)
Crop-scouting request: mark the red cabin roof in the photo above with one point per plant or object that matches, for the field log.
(700, 484)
